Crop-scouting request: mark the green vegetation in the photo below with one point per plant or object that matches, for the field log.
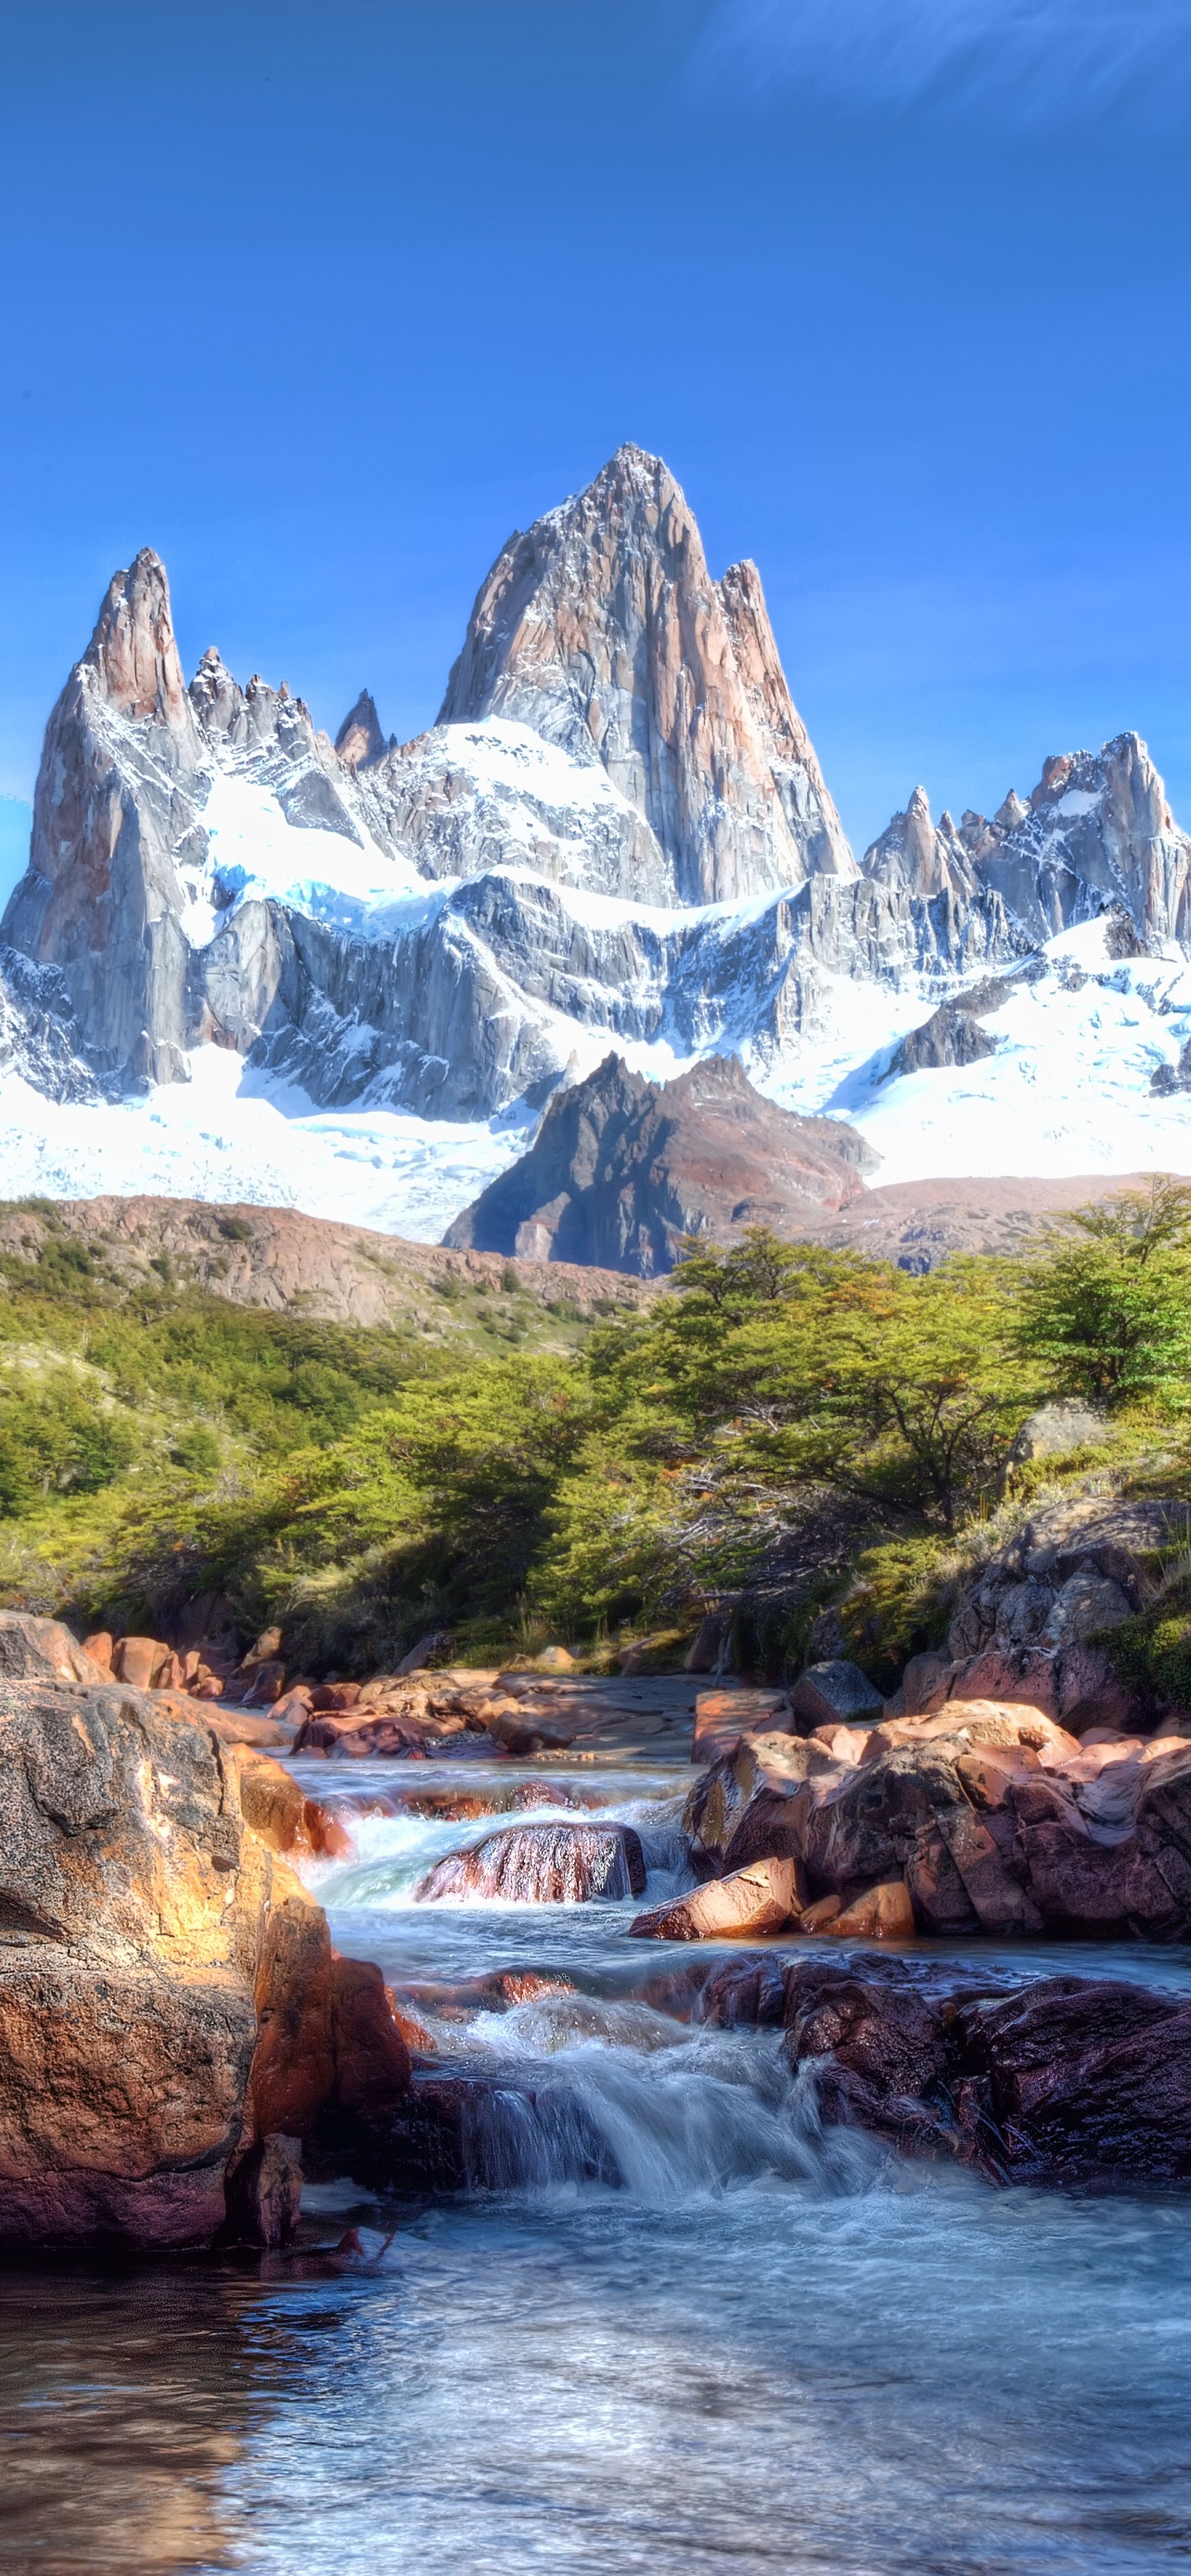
(786, 1431)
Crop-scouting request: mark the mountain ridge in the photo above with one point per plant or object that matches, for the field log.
(449, 929)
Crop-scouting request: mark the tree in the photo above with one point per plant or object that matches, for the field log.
(1106, 1309)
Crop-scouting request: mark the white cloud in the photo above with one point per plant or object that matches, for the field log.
(1027, 63)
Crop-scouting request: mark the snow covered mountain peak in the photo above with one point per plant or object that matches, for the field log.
(616, 837)
(601, 627)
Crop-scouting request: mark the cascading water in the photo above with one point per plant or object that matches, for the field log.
(672, 2323)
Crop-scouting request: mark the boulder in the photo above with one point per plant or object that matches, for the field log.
(994, 1818)
(883, 1913)
(1078, 2082)
(765, 1897)
(540, 1865)
(42, 1650)
(285, 1818)
(166, 1984)
(835, 1693)
(145, 1664)
(1027, 1627)
(723, 1716)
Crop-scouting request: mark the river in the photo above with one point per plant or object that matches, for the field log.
(674, 2326)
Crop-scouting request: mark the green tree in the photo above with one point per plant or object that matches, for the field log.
(1106, 1310)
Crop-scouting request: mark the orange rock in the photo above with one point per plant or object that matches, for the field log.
(723, 1716)
(372, 2069)
(36, 1650)
(145, 1664)
(99, 1647)
(281, 1813)
(883, 1913)
(413, 2031)
(756, 1900)
(294, 1708)
(820, 1916)
(987, 1772)
(127, 2012)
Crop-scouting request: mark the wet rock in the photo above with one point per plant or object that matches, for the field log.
(265, 2195)
(1078, 2083)
(879, 2053)
(748, 1993)
(765, 1897)
(541, 1793)
(1069, 2081)
(541, 1865)
(834, 1692)
(284, 1817)
(883, 1913)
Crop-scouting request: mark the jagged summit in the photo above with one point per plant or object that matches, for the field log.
(133, 653)
(359, 739)
(622, 1169)
(602, 628)
(617, 835)
(921, 857)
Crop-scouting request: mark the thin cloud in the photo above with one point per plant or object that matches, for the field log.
(1024, 63)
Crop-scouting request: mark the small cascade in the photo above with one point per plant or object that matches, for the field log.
(546, 1864)
(620, 2096)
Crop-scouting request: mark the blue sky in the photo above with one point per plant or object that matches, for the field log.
(323, 303)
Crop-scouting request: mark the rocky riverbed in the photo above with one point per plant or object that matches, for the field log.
(598, 2233)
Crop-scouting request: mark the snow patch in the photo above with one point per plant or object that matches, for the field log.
(255, 854)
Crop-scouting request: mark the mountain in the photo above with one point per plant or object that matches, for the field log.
(603, 631)
(352, 973)
(622, 1168)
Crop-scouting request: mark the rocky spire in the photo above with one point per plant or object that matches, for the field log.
(919, 857)
(603, 630)
(132, 652)
(359, 739)
(115, 807)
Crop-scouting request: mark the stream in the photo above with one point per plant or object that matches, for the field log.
(673, 2325)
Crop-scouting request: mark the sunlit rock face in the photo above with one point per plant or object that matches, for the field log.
(602, 628)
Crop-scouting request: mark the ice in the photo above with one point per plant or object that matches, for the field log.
(255, 853)
(223, 1137)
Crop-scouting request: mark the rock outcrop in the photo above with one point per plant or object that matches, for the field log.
(1077, 2083)
(1029, 1627)
(993, 1817)
(40, 1038)
(602, 628)
(1070, 2082)
(680, 773)
(920, 857)
(117, 847)
(623, 1169)
(1097, 836)
(173, 2021)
